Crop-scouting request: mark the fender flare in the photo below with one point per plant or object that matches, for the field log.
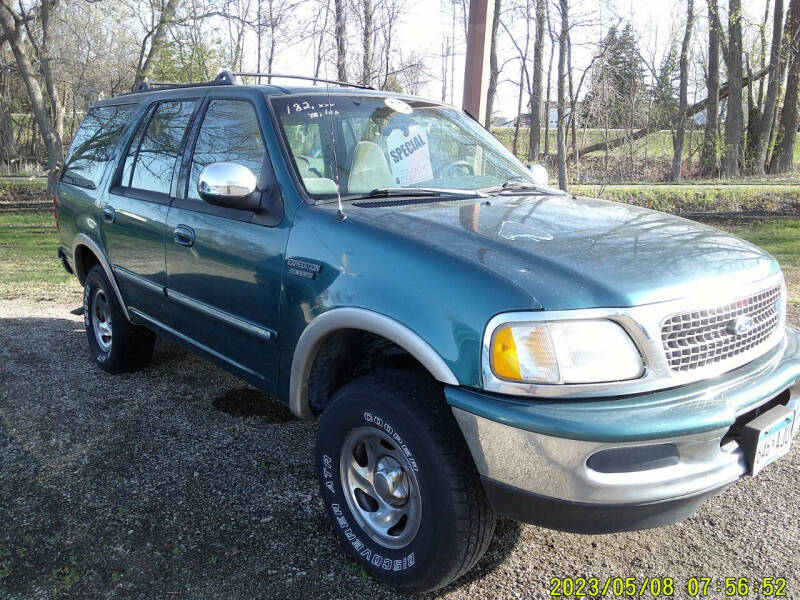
(337, 319)
(84, 240)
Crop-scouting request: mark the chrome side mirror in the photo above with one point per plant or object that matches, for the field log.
(228, 184)
(539, 174)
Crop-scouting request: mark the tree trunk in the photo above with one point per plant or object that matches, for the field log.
(783, 155)
(11, 27)
(547, 98)
(341, 37)
(166, 17)
(683, 102)
(366, 75)
(771, 101)
(573, 128)
(734, 119)
(494, 70)
(7, 146)
(708, 157)
(259, 32)
(534, 141)
(515, 143)
(56, 110)
(562, 101)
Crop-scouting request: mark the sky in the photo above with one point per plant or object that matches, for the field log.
(426, 22)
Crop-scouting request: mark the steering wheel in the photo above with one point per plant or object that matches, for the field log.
(452, 169)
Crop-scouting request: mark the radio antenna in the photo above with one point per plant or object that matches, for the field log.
(340, 216)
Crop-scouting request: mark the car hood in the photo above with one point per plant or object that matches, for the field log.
(569, 252)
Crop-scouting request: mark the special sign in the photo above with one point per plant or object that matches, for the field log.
(409, 155)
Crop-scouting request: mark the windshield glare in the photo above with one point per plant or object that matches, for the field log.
(389, 143)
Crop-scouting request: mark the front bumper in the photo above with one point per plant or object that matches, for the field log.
(601, 465)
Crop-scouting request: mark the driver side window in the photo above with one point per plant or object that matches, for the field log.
(230, 132)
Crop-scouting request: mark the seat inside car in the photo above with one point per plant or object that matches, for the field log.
(370, 170)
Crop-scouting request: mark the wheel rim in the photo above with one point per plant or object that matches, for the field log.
(101, 319)
(380, 487)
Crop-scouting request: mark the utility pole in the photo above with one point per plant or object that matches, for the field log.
(476, 68)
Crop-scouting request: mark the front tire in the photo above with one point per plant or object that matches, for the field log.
(116, 344)
(398, 482)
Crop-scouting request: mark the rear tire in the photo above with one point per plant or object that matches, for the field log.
(399, 483)
(116, 344)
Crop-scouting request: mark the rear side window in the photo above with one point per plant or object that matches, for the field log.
(151, 156)
(229, 133)
(93, 144)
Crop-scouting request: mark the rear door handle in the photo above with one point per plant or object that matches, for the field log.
(109, 214)
(184, 235)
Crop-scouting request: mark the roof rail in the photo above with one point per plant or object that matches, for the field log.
(225, 77)
(304, 78)
(228, 77)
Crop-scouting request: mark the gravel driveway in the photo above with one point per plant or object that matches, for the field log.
(182, 482)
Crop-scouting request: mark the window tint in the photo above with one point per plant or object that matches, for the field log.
(127, 170)
(152, 159)
(230, 133)
(93, 143)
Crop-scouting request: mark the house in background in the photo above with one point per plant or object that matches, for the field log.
(498, 122)
(551, 117)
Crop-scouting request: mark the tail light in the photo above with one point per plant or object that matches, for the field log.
(55, 211)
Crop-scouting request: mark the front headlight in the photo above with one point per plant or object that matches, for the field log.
(581, 351)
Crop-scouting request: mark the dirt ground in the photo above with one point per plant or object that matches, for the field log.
(182, 482)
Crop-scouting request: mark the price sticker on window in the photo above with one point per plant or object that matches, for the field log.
(409, 156)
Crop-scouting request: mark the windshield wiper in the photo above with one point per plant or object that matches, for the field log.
(392, 192)
(514, 185)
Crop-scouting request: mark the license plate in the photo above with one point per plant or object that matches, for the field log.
(768, 437)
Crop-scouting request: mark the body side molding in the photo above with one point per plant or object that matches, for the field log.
(257, 331)
(355, 318)
(84, 240)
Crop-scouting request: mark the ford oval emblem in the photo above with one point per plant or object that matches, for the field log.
(741, 325)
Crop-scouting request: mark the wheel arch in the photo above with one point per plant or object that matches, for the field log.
(83, 244)
(320, 329)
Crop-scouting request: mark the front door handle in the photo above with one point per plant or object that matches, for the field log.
(109, 214)
(184, 235)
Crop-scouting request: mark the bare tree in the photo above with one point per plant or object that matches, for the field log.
(7, 144)
(341, 40)
(562, 101)
(552, 36)
(771, 101)
(683, 102)
(708, 156)
(783, 154)
(494, 69)
(653, 125)
(12, 24)
(156, 36)
(734, 119)
(534, 141)
(367, 32)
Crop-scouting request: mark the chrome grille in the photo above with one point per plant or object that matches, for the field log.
(705, 337)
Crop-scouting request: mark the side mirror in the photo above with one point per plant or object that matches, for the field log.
(228, 184)
(539, 174)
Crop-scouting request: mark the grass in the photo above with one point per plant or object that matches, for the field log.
(28, 246)
(779, 237)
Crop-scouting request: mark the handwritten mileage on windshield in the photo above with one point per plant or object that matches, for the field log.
(312, 110)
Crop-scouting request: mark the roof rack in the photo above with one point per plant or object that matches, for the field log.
(225, 77)
(305, 78)
(228, 77)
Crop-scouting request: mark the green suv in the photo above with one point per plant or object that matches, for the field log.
(471, 342)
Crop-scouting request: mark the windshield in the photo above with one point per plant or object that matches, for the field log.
(388, 143)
